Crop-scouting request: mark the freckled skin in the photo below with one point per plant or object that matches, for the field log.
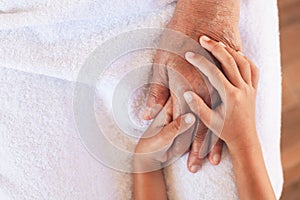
(214, 18)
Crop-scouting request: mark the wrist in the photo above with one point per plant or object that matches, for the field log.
(143, 163)
(247, 144)
(214, 18)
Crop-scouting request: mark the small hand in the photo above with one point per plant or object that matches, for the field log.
(154, 147)
(234, 119)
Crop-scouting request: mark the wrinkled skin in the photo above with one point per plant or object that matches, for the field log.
(194, 18)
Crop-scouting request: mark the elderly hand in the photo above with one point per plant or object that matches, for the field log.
(217, 19)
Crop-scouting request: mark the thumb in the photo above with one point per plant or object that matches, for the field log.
(178, 128)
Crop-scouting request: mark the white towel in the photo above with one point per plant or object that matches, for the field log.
(43, 46)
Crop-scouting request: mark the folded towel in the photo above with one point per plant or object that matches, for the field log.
(43, 46)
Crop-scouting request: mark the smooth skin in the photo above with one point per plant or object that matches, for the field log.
(151, 152)
(233, 121)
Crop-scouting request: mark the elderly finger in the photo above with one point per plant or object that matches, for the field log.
(214, 156)
(158, 92)
(199, 149)
(183, 141)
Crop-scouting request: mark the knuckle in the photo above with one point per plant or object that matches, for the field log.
(245, 63)
(176, 124)
(194, 152)
(231, 51)
(158, 93)
(216, 73)
(248, 90)
(160, 56)
(200, 59)
(216, 47)
(219, 145)
(236, 95)
(230, 61)
(199, 137)
(232, 94)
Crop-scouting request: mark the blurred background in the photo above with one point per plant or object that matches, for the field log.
(289, 14)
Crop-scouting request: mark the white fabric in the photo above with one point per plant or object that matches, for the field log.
(43, 44)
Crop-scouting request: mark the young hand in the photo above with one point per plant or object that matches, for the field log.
(234, 119)
(155, 145)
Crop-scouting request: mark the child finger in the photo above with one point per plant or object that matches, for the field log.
(228, 63)
(199, 107)
(214, 75)
(242, 63)
(254, 73)
(177, 127)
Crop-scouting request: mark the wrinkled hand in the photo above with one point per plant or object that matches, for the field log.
(154, 149)
(217, 19)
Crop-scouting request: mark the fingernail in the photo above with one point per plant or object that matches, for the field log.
(195, 168)
(222, 44)
(189, 54)
(188, 97)
(189, 119)
(241, 53)
(205, 38)
(216, 158)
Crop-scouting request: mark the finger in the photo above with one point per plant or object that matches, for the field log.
(214, 75)
(227, 61)
(214, 156)
(163, 117)
(199, 107)
(242, 63)
(158, 92)
(169, 111)
(176, 128)
(157, 97)
(198, 150)
(254, 73)
(183, 142)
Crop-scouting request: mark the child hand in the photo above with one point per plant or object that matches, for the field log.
(234, 119)
(155, 146)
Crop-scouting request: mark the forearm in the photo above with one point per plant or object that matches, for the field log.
(150, 185)
(214, 18)
(251, 175)
(148, 179)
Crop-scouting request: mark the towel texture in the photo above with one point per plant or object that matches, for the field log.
(43, 46)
